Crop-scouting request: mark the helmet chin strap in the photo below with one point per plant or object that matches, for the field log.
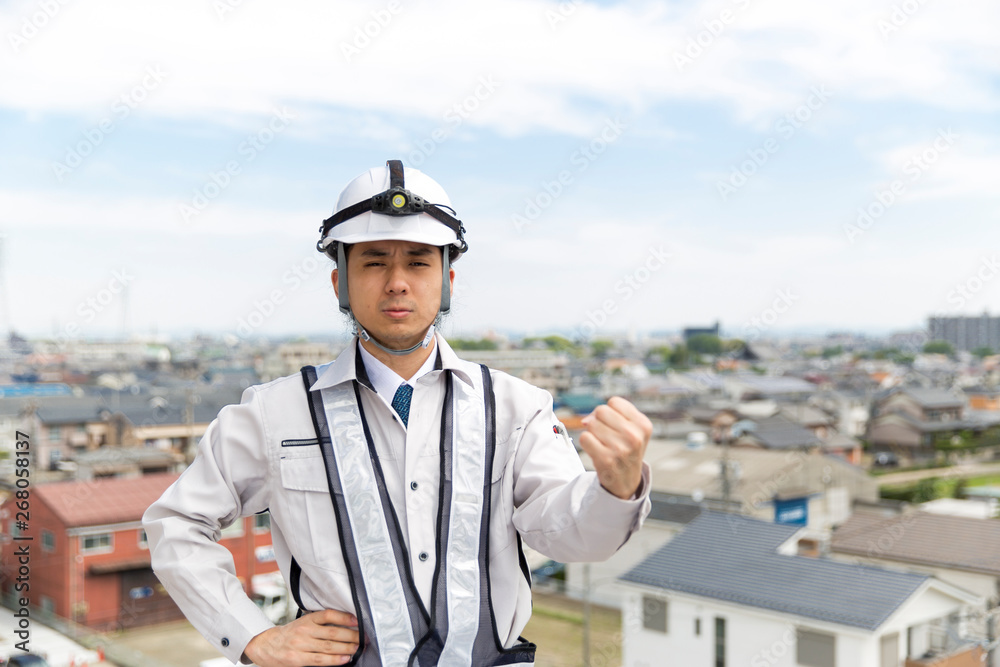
(424, 343)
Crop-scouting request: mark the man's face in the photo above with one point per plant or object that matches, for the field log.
(395, 289)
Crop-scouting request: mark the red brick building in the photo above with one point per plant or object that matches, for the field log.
(89, 557)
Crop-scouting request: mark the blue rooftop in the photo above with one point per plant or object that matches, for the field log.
(31, 389)
(734, 559)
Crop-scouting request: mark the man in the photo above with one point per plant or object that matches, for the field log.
(400, 479)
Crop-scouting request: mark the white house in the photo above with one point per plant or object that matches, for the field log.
(731, 591)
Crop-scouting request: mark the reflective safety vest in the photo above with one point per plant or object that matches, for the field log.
(395, 627)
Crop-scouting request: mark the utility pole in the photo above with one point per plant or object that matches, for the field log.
(586, 615)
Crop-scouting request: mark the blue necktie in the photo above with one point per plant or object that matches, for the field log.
(401, 402)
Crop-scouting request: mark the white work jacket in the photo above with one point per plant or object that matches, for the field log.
(263, 455)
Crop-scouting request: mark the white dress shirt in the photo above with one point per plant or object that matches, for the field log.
(262, 454)
(385, 380)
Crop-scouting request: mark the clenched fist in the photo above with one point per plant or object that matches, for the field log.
(615, 439)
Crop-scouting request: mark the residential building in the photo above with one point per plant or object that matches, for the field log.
(851, 408)
(807, 490)
(983, 398)
(289, 358)
(963, 551)
(731, 591)
(966, 333)
(89, 558)
(913, 420)
(545, 369)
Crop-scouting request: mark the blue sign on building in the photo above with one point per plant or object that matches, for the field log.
(794, 511)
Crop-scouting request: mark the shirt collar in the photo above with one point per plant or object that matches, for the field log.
(386, 381)
(349, 366)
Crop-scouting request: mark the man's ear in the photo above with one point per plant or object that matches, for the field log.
(336, 283)
(451, 280)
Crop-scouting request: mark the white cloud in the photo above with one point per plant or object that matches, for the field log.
(551, 77)
(949, 164)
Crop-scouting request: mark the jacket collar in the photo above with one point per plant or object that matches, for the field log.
(349, 366)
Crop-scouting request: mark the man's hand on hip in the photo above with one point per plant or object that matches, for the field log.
(321, 638)
(615, 439)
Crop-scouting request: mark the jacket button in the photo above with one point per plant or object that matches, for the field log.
(423, 556)
(414, 485)
(225, 642)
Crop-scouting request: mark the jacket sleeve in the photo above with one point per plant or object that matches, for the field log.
(560, 508)
(226, 481)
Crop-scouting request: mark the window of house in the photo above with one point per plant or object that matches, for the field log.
(261, 522)
(143, 540)
(697, 627)
(55, 432)
(654, 613)
(48, 540)
(97, 543)
(720, 642)
(815, 649)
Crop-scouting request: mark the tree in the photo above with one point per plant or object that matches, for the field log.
(680, 356)
(733, 346)
(705, 344)
(554, 342)
(939, 347)
(983, 352)
(659, 354)
(599, 348)
(470, 344)
(830, 352)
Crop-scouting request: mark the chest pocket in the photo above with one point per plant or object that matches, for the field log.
(313, 536)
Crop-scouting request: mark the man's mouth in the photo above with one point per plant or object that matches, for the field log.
(396, 312)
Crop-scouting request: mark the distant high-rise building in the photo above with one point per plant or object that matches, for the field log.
(967, 333)
(690, 332)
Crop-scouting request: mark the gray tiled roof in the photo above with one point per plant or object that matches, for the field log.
(933, 398)
(665, 507)
(780, 433)
(955, 542)
(734, 559)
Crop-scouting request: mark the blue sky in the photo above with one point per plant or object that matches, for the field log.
(714, 157)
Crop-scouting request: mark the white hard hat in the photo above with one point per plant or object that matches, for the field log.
(393, 203)
(421, 220)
